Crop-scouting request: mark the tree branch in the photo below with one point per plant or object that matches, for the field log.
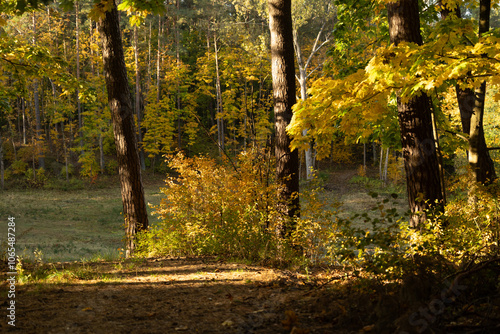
(315, 47)
(457, 134)
(14, 63)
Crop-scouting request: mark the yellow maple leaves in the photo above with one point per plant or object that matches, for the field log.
(354, 105)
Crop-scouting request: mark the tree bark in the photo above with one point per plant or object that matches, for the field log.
(483, 168)
(138, 98)
(310, 153)
(120, 104)
(178, 63)
(423, 177)
(158, 61)
(38, 121)
(471, 106)
(78, 104)
(2, 171)
(219, 113)
(283, 73)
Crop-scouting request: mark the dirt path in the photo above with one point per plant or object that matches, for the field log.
(179, 295)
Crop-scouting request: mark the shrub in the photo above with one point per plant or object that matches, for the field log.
(111, 167)
(89, 165)
(230, 210)
(71, 171)
(211, 208)
(466, 233)
(36, 178)
(18, 167)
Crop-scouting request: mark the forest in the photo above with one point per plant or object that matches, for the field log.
(250, 166)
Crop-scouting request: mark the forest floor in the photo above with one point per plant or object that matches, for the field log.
(190, 295)
(171, 295)
(206, 295)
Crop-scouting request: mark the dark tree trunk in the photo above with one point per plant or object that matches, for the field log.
(423, 177)
(2, 171)
(38, 121)
(78, 103)
(120, 103)
(465, 96)
(482, 166)
(471, 105)
(283, 72)
(465, 99)
(178, 57)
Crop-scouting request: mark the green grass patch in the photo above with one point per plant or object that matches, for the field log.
(68, 225)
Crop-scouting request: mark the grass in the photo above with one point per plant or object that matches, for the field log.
(68, 225)
(87, 224)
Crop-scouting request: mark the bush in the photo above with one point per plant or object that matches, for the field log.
(466, 233)
(71, 171)
(211, 208)
(36, 178)
(58, 184)
(231, 210)
(111, 167)
(18, 167)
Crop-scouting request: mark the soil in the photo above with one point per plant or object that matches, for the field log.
(182, 295)
(205, 295)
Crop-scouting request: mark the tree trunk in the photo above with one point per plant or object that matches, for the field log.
(78, 104)
(310, 153)
(23, 111)
(219, 111)
(364, 158)
(178, 58)
(465, 96)
(386, 165)
(91, 27)
(120, 104)
(380, 174)
(65, 152)
(471, 106)
(138, 99)
(101, 152)
(283, 73)
(158, 60)
(423, 178)
(148, 81)
(38, 125)
(483, 169)
(2, 170)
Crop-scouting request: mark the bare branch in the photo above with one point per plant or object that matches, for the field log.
(315, 47)
(298, 51)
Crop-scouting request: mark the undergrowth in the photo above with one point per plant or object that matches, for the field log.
(226, 209)
(230, 210)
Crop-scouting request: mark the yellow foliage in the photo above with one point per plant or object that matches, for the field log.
(225, 209)
(356, 105)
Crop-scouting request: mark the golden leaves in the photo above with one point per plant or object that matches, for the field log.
(354, 105)
(100, 8)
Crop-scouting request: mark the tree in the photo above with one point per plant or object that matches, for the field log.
(38, 135)
(303, 11)
(483, 169)
(138, 98)
(283, 73)
(122, 111)
(423, 177)
(471, 105)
